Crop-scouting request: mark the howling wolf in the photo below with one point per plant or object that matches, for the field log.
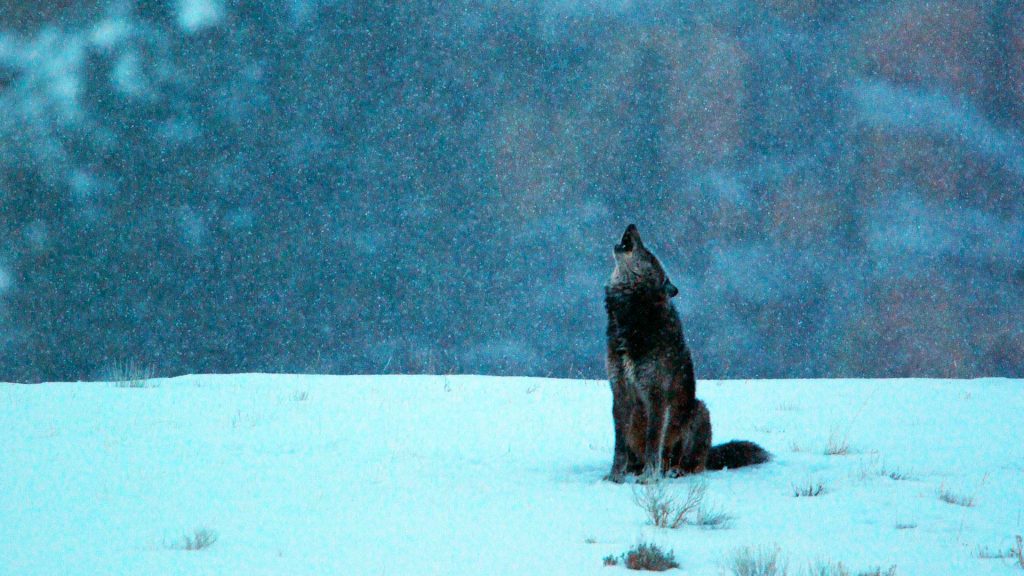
(660, 425)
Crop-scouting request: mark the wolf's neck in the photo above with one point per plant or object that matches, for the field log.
(639, 317)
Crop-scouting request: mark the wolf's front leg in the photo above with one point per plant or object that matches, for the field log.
(620, 460)
(622, 408)
(658, 418)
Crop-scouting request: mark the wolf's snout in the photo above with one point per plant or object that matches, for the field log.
(630, 239)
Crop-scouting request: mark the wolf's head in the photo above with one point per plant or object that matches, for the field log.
(636, 266)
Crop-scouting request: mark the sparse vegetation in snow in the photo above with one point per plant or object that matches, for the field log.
(712, 518)
(1014, 553)
(838, 445)
(764, 561)
(872, 466)
(644, 556)
(956, 498)
(199, 539)
(130, 374)
(665, 507)
(809, 489)
(838, 569)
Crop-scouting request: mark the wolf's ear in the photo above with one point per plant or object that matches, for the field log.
(670, 288)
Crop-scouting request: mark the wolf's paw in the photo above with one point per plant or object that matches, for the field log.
(648, 476)
(614, 476)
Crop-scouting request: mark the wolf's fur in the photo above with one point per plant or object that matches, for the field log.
(660, 425)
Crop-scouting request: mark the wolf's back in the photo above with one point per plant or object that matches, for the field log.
(736, 454)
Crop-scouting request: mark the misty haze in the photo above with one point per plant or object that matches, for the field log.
(222, 186)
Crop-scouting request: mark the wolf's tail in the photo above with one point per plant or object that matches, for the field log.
(735, 454)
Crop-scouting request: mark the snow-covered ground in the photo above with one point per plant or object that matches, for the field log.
(477, 475)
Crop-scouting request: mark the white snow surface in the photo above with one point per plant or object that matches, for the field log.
(395, 475)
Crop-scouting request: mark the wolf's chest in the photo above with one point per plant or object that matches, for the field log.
(638, 375)
(629, 369)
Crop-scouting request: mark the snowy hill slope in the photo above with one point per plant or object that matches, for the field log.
(478, 475)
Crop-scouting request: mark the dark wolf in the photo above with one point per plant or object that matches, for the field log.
(660, 425)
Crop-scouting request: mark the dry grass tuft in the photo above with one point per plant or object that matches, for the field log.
(896, 474)
(809, 489)
(839, 569)
(200, 539)
(873, 466)
(986, 553)
(749, 561)
(948, 496)
(712, 519)
(837, 445)
(130, 374)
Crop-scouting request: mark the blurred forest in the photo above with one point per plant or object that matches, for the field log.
(837, 188)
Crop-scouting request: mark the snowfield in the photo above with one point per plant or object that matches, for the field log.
(466, 475)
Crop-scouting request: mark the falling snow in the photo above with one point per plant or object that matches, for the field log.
(326, 186)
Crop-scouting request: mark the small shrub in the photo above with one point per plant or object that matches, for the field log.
(650, 557)
(200, 539)
(749, 561)
(1018, 551)
(948, 496)
(906, 525)
(300, 395)
(665, 509)
(644, 556)
(130, 374)
(809, 489)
